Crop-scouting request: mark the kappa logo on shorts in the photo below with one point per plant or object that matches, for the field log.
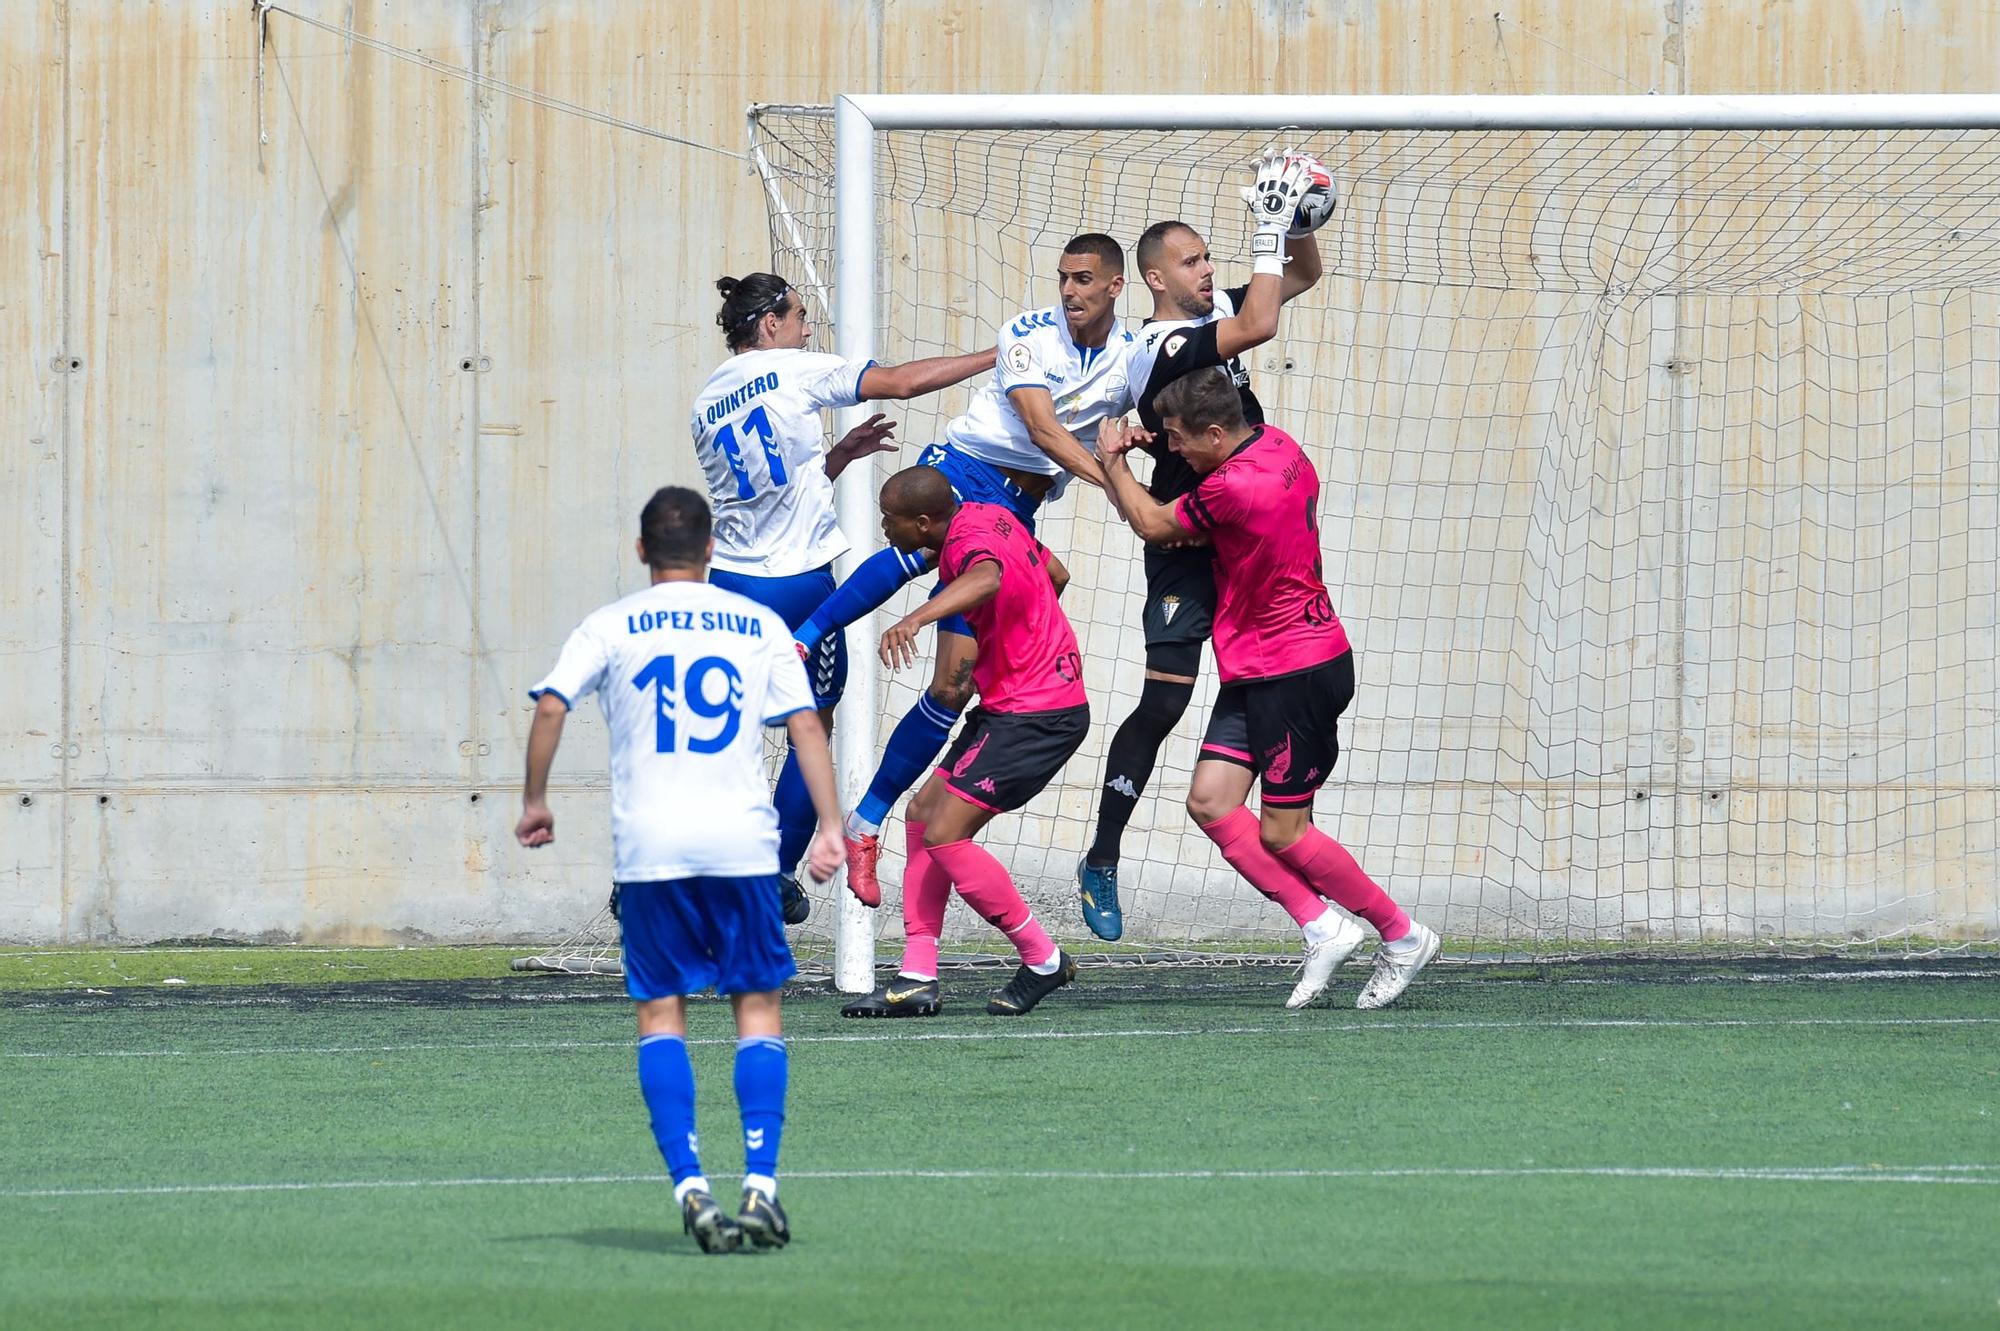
(1169, 607)
(986, 784)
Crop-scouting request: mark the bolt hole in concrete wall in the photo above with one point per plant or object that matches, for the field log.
(27, 800)
(475, 797)
(103, 800)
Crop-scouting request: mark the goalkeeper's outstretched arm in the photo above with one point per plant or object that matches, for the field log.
(1283, 265)
(914, 379)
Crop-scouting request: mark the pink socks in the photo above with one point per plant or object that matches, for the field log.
(1332, 872)
(925, 892)
(1236, 837)
(984, 884)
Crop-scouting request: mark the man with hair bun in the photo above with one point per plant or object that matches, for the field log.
(762, 448)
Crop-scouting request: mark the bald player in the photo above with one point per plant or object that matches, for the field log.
(1193, 327)
(1032, 716)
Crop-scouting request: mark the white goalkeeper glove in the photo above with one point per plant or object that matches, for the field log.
(1273, 199)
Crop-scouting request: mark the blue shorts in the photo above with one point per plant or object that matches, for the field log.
(795, 598)
(978, 482)
(691, 934)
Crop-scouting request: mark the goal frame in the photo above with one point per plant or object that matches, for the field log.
(858, 118)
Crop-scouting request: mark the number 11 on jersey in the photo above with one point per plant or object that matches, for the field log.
(758, 422)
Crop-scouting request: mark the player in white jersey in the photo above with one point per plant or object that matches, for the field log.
(1193, 326)
(762, 447)
(688, 676)
(1061, 371)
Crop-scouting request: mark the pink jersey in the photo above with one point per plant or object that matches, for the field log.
(1261, 509)
(1028, 661)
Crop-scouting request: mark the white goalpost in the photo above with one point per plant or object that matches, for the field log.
(1660, 439)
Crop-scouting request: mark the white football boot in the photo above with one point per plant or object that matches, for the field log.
(1396, 967)
(1324, 958)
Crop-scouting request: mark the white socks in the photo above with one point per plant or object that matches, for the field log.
(763, 1183)
(687, 1185)
(1409, 942)
(858, 827)
(1322, 929)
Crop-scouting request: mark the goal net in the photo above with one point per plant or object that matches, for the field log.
(1661, 498)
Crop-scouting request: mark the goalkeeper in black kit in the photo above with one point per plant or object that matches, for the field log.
(1193, 326)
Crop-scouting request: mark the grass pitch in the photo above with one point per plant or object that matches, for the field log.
(1148, 1148)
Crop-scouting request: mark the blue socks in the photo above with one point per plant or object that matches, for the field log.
(761, 1073)
(796, 818)
(874, 581)
(913, 746)
(666, 1079)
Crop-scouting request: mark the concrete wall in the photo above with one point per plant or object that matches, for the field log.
(312, 448)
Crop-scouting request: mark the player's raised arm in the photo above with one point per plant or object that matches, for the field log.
(917, 377)
(1281, 185)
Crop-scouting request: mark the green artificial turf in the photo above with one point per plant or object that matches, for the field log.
(1159, 1148)
(212, 964)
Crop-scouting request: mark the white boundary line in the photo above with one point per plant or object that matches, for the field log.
(1299, 1026)
(1988, 1175)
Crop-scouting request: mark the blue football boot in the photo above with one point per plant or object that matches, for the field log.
(1097, 889)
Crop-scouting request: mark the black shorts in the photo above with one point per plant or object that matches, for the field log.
(1180, 596)
(1001, 760)
(1283, 728)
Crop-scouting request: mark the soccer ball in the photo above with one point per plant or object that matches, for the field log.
(1316, 207)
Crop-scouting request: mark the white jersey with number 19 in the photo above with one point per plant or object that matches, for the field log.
(688, 675)
(762, 448)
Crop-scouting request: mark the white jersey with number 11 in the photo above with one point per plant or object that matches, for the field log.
(762, 448)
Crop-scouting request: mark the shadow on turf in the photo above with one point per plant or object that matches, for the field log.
(663, 1242)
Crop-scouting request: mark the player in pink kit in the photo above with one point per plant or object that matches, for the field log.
(1287, 674)
(1032, 716)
